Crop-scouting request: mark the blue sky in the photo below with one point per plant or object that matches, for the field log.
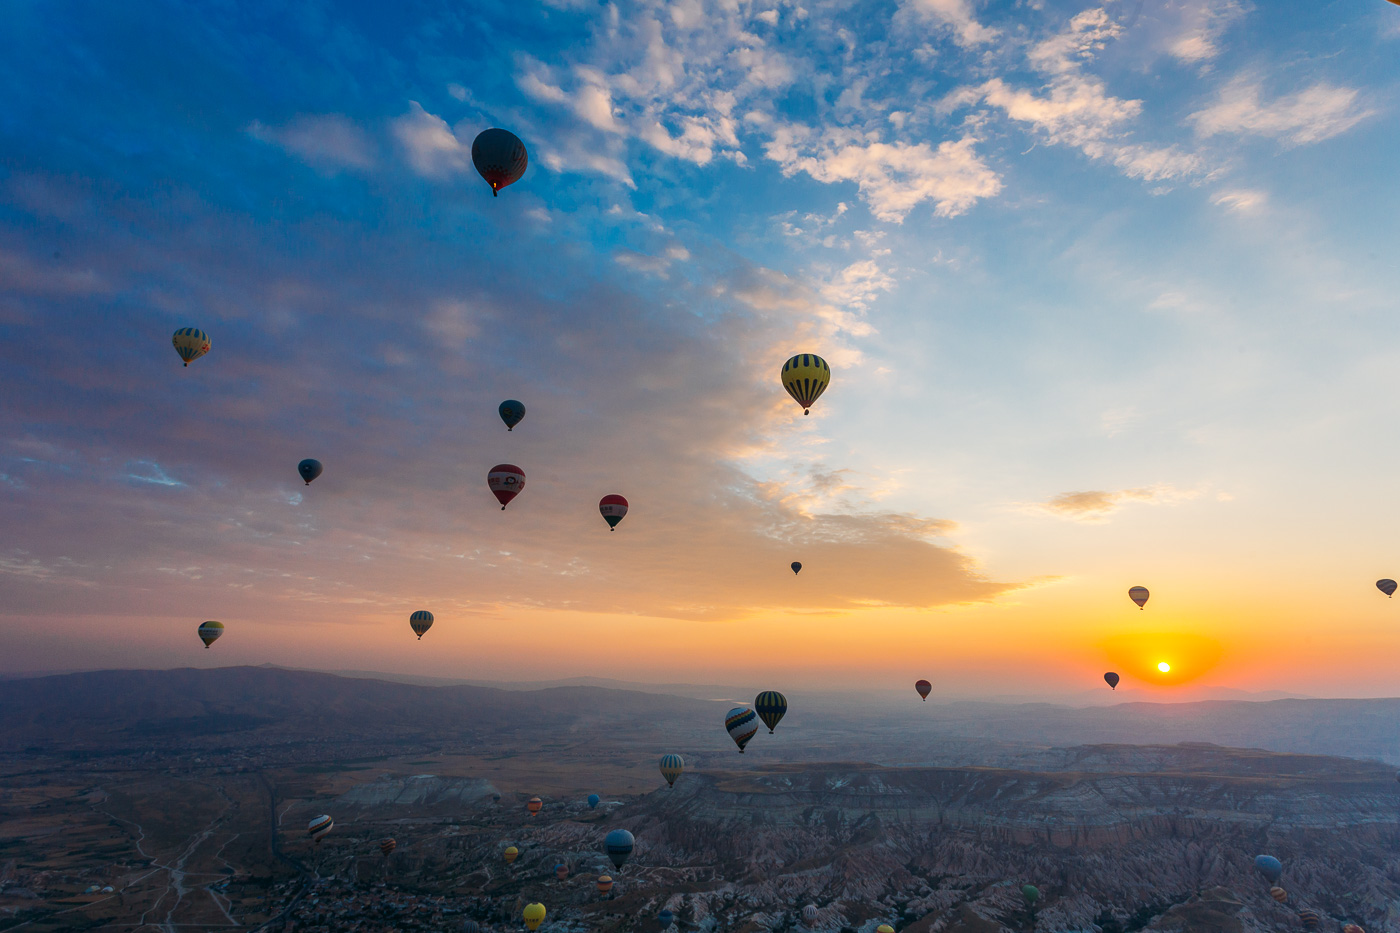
(1108, 290)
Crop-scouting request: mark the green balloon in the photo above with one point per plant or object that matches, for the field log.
(1031, 893)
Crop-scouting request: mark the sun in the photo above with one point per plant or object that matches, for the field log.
(1163, 666)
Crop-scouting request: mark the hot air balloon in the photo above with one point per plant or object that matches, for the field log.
(809, 915)
(593, 801)
(471, 926)
(665, 918)
(512, 853)
(613, 510)
(500, 158)
(1268, 866)
(924, 688)
(512, 412)
(796, 567)
(209, 632)
(386, 846)
(421, 621)
(1386, 586)
(533, 805)
(191, 343)
(1111, 679)
(618, 845)
(561, 871)
(1309, 918)
(671, 767)
(1139, 594)
(533, 915)
(1351, 927)
(604, 884)
(309, 469)
(1031, 893)
(742, 724)
(884, 928)
(806, 377)
(1278, 894)
(319, 827)
(506, 480)
(770, 706)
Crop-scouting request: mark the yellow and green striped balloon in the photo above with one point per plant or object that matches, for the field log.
(806, 377)
(209, 632)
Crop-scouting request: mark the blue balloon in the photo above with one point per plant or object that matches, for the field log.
(309, 469)
(618, 845)
(592, 801)
(665, 919)
(511, 413)
(1268, 866)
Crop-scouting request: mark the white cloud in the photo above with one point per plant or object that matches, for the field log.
(1241, 199)
(1307, 116)
(857, 284)
(957, 14)
(892, 177)
(327, 141)
(432, 148)
(1203, 25)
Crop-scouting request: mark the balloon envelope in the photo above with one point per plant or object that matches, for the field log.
(191, 343)
(534, 805)
(420, 622)
(533, 915)
(924, 688)
(742, 724)
(500, 158)
(511, 412)
(1386, 586)
(1111, 679)
(471, 926)
(671, 767)
(309, 469)
(386, 846)
(512, 853)
(506, 480)
(806, 377)
(884, 928)
(665, 919)
(771, 706)
(618, 844)
(1268, 866)
(1138, 594)
(613, 509)
(604, 884)
(1310, 918)
(797, 566)
(809, 914)
(1278, 894)
(561, 871)
(1031, 893)
(209, 632)
(319, 826)
(592, 801)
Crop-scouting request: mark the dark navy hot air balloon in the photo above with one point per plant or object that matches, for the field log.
(924, 688)
(499, 157)
(309, 469)
(770, 706)
(593, 801)
(619, 844)
(796, 567)
(1111, 679)
(665, 919)
(1387, 587)
(511, 413)
(420, 622)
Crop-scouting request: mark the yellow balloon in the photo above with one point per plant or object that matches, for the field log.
(534, 916)
(512, 854)
(884, 928)
(806, 377)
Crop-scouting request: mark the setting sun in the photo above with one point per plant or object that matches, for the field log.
(1163, 666)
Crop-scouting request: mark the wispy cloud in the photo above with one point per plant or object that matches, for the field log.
(1099, 505)
(326, 141)
(956, 15)
(1308, 116)
(429, 144)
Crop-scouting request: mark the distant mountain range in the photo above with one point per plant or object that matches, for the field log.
(109, 709)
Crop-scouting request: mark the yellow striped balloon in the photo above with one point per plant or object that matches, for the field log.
(671, 767)
(806, 377)
(209, 632)
(512, 853)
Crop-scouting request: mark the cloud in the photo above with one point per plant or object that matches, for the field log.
(858, 284)
(1241, 200)
(1097, 505)
(326, 141)
(1203, 23)
(956, 14)
(893, 178)
(431, 147)
(1308, 116)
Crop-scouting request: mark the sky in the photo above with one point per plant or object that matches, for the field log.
(1108, 291)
